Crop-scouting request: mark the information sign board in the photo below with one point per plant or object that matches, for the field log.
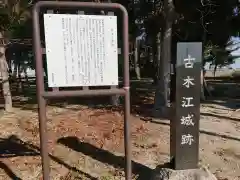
(81, 50)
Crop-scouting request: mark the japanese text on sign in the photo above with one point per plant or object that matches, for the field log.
(188, 82)
(187, 139)
(187, 120)
(189, 62)
(81, 50)
(186, 102)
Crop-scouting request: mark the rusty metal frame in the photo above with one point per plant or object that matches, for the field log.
(44, 95)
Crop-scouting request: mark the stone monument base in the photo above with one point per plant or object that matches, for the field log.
(190, 174)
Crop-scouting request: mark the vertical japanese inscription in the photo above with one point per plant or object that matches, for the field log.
(65, 42)
(84, 49)
(188, 69)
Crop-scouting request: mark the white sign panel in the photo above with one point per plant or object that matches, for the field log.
(81, 50)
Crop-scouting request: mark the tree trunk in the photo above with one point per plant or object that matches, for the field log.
(136, 60)
(166, 51)
(162, 95)
(5, 78)
(152, 61)
(19, 79)
(203, 82)
(158, 99)
(15, 70)
(158, 57)
(202, 86)
(26, 75)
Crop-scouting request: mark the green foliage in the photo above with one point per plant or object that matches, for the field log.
(213, 21)
(4, 18)
(220, 56)
(13, 16)
(209, 21)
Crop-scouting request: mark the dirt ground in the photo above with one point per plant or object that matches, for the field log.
(87, 142)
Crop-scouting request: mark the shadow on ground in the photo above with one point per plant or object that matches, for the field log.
(220, 116)
(104, 156)
(229, 103)
(15, 147)
(12, 147)
(8, 171)
(225, 92)
(164, 123)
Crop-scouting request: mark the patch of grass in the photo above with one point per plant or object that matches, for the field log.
(107, 177)
(75, 176)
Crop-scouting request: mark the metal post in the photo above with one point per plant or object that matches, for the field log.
(41, 100)
(126, 83)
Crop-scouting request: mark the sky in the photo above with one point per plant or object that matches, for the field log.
(236, 40)
(236, 65)
(236, 53)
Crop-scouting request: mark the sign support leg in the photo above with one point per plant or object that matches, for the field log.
(43, 137)
(127, 135)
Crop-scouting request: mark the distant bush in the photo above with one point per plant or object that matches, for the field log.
(236, 74)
